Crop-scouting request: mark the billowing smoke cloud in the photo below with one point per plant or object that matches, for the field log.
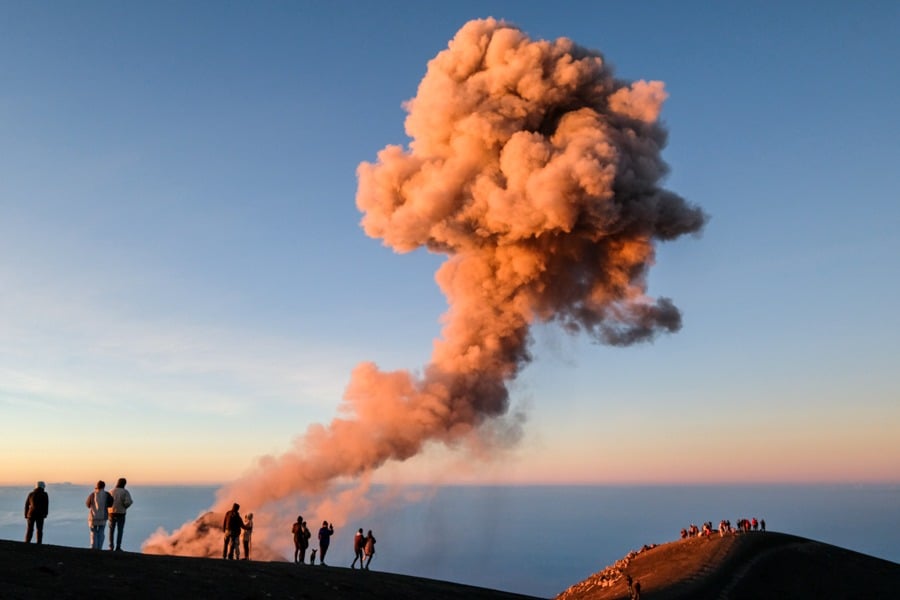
(537, 173)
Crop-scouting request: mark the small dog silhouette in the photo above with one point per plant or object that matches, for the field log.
(312, 557)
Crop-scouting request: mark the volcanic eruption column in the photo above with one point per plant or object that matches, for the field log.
(538, 174)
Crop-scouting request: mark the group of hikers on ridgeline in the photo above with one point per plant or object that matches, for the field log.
(362, 544)
(743, 525)
(106, 506)
(102, 506)
(234, 526)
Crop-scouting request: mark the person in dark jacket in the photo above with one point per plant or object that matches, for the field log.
(233, 524)
(37, 505)
(297, 531)
(325, 533)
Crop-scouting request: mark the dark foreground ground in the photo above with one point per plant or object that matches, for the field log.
(747, 566)
(28, 571)
(737, 567)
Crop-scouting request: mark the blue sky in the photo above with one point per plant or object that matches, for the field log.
(185, 280)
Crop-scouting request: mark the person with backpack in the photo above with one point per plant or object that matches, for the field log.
(98, 503)
(37, 505)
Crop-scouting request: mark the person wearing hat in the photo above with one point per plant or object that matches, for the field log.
(36, 508)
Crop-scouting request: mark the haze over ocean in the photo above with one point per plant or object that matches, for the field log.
(529, 539)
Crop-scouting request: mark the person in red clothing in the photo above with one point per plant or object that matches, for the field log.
(369, 549)
(359, 540)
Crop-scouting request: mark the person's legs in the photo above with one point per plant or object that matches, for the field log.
(225, 547)
(323, 551)
(119, 519)
(112, 530)
(246, 549)
(29, 530)
(368, 560)
(39, 526)
(97, 532)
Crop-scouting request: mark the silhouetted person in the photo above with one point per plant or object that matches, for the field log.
(248, 533)
(762, 524)
(369, 548)
(121, 501)
(359, 540)
(307, 534)
(98, 502)
(636, 592)
(325, 533)
(233, 524)
(37, 505)
(630, 583)
(297, 531)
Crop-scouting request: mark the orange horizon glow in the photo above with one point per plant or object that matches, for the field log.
(515, 474)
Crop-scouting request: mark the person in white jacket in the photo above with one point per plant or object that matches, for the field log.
(120, 503)
(98, 503)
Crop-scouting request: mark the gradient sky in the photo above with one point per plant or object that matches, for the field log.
(185, 285)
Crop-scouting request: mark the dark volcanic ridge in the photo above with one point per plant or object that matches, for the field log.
(735, 567)
(32, 572)
(745, 566)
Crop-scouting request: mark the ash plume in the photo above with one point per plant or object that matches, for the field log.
(538, 173)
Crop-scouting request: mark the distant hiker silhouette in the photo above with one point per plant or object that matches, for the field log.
(369, 548)
(248, 532)
(325, 533)
(297, 531)
(233, 524)
(359, 541)
(37, 505)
